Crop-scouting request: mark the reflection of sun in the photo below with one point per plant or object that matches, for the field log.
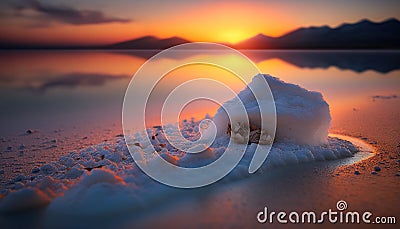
(233, 36)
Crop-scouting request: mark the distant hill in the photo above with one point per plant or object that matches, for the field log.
(259, 41)
(361, 35)
(149, 42)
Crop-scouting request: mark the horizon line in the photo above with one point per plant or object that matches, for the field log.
(3, 45)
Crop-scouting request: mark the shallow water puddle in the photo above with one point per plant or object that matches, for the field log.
(366, 150)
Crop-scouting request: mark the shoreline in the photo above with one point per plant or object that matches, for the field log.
(120, 146)
(322, 170)
(367, 151)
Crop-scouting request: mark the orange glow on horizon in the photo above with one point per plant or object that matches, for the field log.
(223, 22)
(210, 21)
(217, 22)
(233, 36)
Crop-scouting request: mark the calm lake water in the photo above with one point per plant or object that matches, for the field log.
(51, 90)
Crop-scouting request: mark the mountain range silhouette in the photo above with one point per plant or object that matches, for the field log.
(364, 34)
(361, 35)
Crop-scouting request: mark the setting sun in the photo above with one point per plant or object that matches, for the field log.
(233, 36)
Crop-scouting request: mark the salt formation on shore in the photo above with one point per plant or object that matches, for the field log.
(106, 172)
(302, 116)
(75, 184)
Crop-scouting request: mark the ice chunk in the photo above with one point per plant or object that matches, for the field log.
(303, 116)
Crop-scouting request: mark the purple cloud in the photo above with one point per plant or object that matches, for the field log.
(64, 14)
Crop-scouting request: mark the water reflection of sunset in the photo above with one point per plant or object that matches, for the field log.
(57, 62)
(346, 91)
(199, 108)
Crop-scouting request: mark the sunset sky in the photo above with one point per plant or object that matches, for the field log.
(89, 22)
